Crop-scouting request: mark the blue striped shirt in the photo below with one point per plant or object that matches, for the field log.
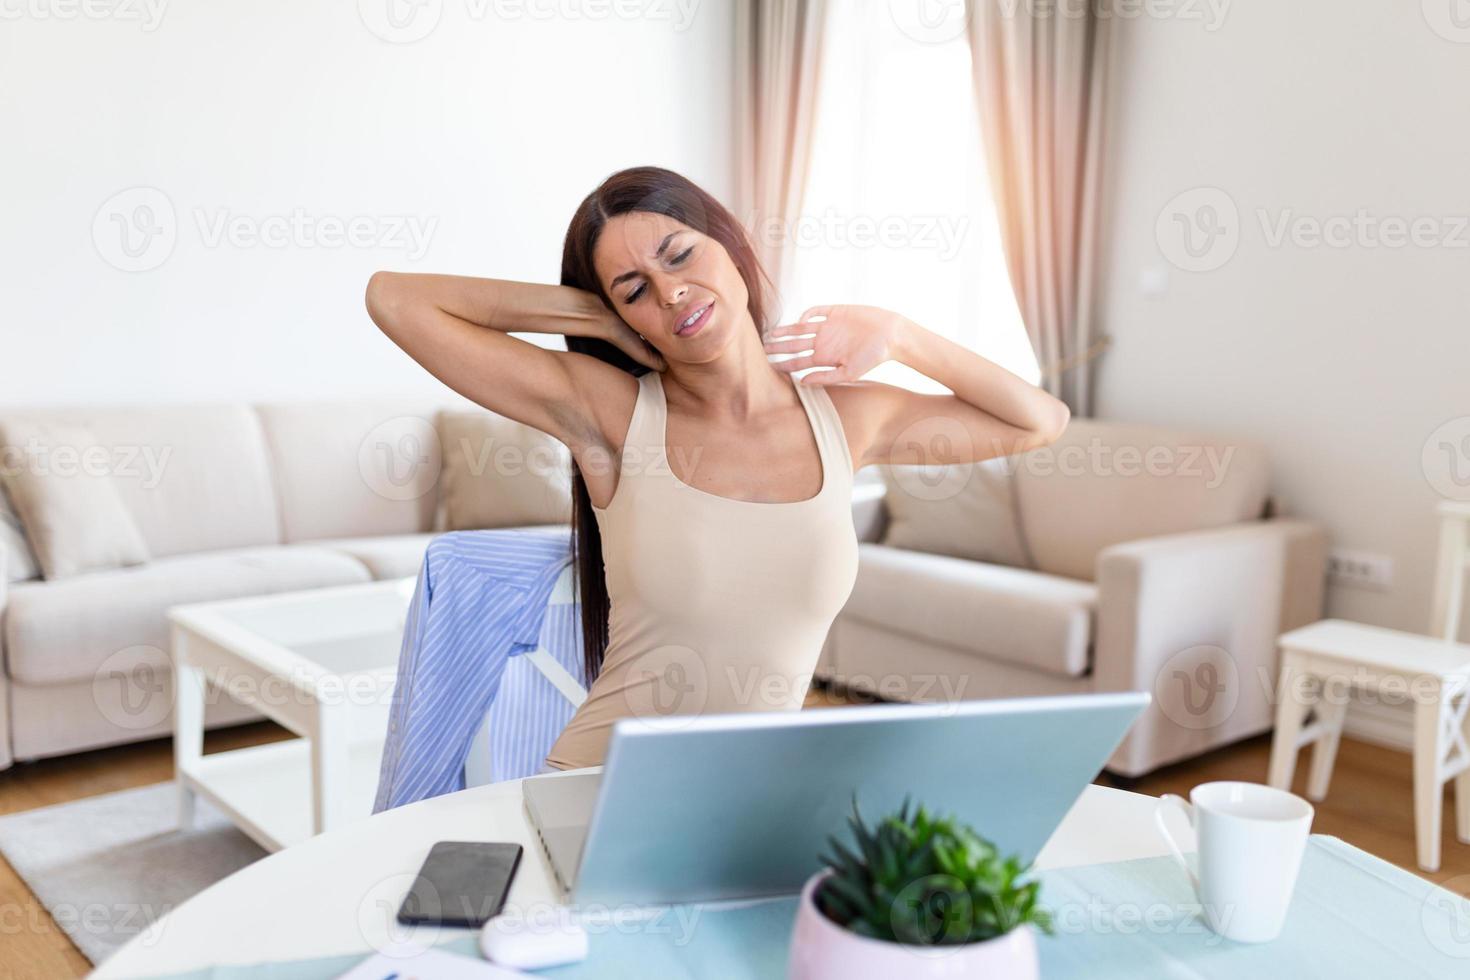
(483, 598)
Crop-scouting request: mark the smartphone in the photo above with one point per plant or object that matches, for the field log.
(462, 883)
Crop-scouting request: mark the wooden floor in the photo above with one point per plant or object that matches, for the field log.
(1369, 805)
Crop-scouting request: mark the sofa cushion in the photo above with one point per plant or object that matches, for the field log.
(1015, 615)
(195, 478)
(59, 478)
(62, 631)
(352, 469)
(384, 556)
(1103, 483)
(501, 473)
(20, 561)
(967, 511)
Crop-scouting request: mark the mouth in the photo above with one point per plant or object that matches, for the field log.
(695, 321)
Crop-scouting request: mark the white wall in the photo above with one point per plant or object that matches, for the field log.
(1343, 360)
(487, 132)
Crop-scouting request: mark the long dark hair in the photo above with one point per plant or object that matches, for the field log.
(660, 191)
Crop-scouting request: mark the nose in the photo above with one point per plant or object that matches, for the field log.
(673, 293)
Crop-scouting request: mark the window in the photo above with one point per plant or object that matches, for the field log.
(898, 211)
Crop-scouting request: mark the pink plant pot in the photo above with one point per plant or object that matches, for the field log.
(823, 950)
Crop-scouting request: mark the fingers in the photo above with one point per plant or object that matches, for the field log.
(793, 330)
(794, 346)
(795, 363)
(808, 323)
(835, 376)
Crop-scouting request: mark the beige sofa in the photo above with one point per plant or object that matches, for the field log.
(230, 500)
(1064, 571)
(1121, 558)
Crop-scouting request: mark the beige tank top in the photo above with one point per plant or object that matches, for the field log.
(717, 605)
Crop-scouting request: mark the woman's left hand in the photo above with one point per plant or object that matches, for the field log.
(851, 340)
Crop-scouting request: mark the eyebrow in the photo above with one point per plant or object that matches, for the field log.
(662, 247)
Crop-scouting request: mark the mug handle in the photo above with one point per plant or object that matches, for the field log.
(1167, 801)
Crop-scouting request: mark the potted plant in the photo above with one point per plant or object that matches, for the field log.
(917, 896)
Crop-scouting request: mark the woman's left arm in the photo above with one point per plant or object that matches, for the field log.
(991, 413)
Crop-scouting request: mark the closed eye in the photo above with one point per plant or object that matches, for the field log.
(676, 260)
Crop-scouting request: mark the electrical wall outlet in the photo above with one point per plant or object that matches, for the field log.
(1360, 569)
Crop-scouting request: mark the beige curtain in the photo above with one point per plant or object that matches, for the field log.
(778, 46)
(1040, 71)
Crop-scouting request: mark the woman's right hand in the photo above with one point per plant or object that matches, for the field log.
(616, 332)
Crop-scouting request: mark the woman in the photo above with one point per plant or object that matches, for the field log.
(712, 515)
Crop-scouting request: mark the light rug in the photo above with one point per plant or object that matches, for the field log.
(107, 867)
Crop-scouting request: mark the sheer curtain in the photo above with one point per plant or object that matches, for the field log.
(778, 74)
(897, 210)
(1040, 78)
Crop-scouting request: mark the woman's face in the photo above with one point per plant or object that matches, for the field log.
(659, 272)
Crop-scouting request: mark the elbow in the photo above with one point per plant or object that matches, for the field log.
(381, 298)
(1057, 421)
(1049, 428)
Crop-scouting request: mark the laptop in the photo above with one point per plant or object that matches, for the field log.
(718, 808)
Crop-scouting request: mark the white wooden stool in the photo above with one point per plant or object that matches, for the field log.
(1454, 562)
(1324, 663)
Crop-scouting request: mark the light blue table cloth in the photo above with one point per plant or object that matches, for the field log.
(1353, 917)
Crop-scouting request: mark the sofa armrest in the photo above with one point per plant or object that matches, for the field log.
(6, 758)
(1193, 619)
(869, 512)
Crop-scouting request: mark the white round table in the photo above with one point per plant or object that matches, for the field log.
(339, 892)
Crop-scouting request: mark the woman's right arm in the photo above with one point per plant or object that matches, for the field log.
(458, 327)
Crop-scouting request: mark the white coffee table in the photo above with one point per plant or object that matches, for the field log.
(338, 893)
(322, 663)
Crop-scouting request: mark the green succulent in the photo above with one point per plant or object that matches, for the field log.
(926, 881)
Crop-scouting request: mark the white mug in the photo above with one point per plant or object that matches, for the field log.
(1250, 844)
